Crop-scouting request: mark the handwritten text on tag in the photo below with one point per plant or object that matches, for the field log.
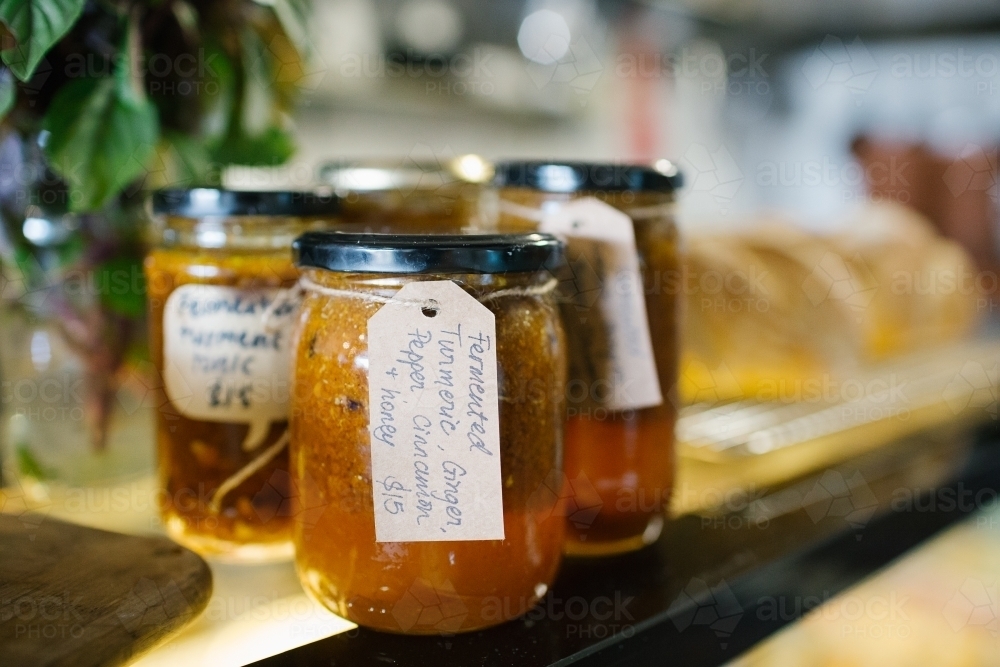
(223, 361)
(434, 417)
(609, 307)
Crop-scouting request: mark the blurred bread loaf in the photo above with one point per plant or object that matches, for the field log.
(928, 290)
(776, 311)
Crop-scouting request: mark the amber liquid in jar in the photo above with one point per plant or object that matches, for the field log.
(449, 210)
(407, 197)
(424, 587)
(216, 496)
(619, 464)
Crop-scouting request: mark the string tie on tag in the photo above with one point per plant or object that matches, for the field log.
(535, 290)
(521, 211)
(286, 297)
(537, 214)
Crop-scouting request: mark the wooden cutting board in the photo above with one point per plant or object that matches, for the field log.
(79, 597)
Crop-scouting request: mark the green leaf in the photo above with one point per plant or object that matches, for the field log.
(28, 465)
(8, 92)
(259, 102)
(122, 287)
(187, 18)
(191, 161)
(272, 147)
(70, 251)
(128, 78)
(102, 132)
(255, 136)
(36, 25)
(218, 105)
(293, 16)
(98, 141)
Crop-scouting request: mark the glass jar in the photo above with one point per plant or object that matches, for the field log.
(619, 462)
(73, 353)
(220, 313)
(390, 585)
(408, 196)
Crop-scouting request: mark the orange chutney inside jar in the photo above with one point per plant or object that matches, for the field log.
(619, 464)
(217, 497)
(408, 196)
(424, 587)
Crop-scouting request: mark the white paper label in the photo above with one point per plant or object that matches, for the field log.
(434, 417)
(227, 353)
(601, 242)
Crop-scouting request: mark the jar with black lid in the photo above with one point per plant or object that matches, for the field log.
(349, 282)
(622, 254)
(219, 278)
(408, 196)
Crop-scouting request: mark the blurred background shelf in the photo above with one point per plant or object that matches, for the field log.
(782, 25)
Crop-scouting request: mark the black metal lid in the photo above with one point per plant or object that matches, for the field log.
(554, 176)
(206, 202)
(431, 253)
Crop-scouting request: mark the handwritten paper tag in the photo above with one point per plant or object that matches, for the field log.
(603, 266)
(434, 417)
(226, 362)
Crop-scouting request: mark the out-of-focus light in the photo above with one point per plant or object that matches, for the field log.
(203, 271)
(365, 179)
(544, 36)
(41, 351)
(665, 167)
(211, 237)
(473, 168)
(45, 231)
(37, 230)
(205, 198)
(429, 26)
(558, 178)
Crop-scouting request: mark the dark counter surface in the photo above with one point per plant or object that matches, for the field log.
(695, 597)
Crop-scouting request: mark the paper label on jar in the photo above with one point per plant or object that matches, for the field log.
(605, 292)
(433, 417)
(227, 353)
